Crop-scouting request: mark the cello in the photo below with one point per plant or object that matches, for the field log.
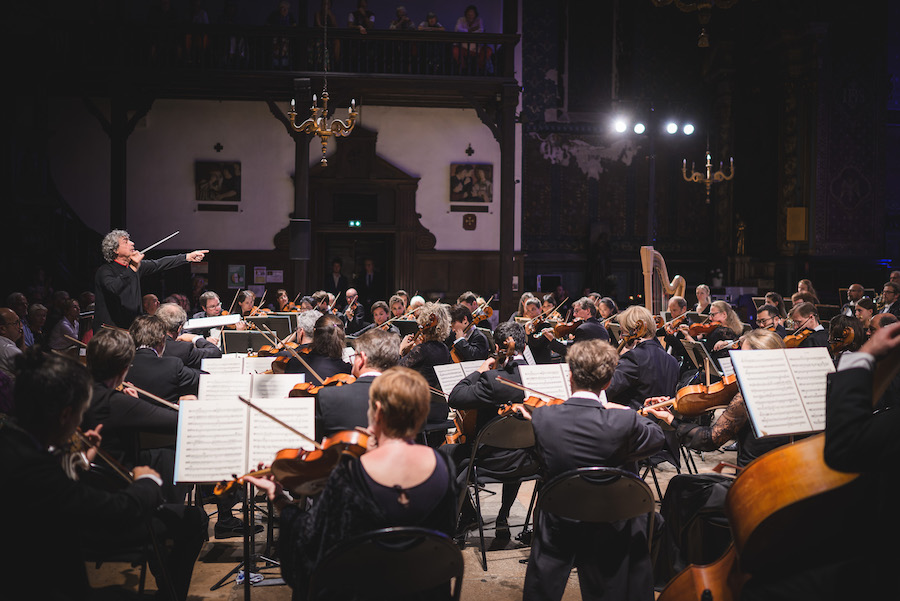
(785, 494)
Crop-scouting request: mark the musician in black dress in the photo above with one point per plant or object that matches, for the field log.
(687, 538)
(425, 349)
(395, 483)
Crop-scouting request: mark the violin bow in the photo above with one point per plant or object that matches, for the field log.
(152, 396)
(233, 301)
(256, 308)
(503, 380)
(281, 423)
(75, 340)
(294, 302)
(273, 340)
(115, 465)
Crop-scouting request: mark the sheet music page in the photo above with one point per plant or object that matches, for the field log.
(449, 375)
(727, 367)
(211, 444)
(223, 365)
(470, 366)
(770, 392)
(811, 367)
(267, 437)
(257, 365)
(348, 353)
(274, 386)
(529, 356)
(551, 380)
(223, 387)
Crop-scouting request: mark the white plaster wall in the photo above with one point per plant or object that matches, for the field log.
(164, 147)
(161, 160)
(423, 142)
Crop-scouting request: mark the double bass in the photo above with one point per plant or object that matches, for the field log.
(785, 495)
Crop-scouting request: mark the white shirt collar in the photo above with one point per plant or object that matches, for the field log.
(371, 372)
(586, 394)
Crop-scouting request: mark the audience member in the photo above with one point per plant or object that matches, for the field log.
(10, 339)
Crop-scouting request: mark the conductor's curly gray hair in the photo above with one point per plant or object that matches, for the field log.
(110, 244)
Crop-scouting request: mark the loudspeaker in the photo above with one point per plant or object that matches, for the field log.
(301, 234)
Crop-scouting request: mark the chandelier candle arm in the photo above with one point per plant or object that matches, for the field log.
(711, 177)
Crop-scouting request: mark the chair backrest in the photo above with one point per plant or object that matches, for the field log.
(506, 432)
(596, 494)
(390, 563)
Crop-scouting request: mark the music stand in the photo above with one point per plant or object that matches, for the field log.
(700, 357)
(250, 557)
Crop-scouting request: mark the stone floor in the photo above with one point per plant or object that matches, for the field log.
(502, 581)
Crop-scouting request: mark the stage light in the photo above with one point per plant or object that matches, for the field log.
(688, 129)
(620, 125)
(639, 128)
(671, 127)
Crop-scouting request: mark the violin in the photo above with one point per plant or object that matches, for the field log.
(629, 338)
(697, 399)
(424, 330)
(308, 389)
(304, 472)
(794, 340)
(671, 326)
(482, 314)
(530, 404)
(705, 327)
(561, 330)
(843, 343)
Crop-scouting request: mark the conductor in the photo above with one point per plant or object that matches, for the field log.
(118, 282)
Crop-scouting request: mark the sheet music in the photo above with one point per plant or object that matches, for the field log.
(204, 450)
(770, 392)
(470, 366)
(257, 365)
(223, 365)
(201, 323)
(267, 437)
(551, 379)
(449, 375)
(348, 353)
(529, 356)
(727, 367)
(811, 367)
(274, 386)
(223, 387)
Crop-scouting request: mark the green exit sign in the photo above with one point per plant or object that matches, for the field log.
(354, 223)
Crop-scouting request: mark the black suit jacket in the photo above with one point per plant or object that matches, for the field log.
(124, 418)
(474, 346)
(369, 293)
(343, 407)
(338, 290)
(592, 328)
(484, 393)
(583, 433)
(166, 377)
(817, 338)
(118, 290)
(191, 354)
(645, 371)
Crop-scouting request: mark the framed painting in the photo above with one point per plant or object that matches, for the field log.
(471, 182)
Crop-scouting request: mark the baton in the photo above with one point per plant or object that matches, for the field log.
(152, 246)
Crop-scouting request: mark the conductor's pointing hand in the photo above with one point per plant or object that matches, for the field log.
(196, 256)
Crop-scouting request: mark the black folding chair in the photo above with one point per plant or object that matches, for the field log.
(599, 495)
(505, 432)
(390, 563)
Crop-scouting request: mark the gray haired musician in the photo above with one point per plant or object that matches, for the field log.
(118, 282)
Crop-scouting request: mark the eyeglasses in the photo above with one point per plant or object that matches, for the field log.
(870, 330)
(764, 322)
(714, 313)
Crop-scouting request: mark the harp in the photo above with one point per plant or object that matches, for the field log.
(657, 287)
